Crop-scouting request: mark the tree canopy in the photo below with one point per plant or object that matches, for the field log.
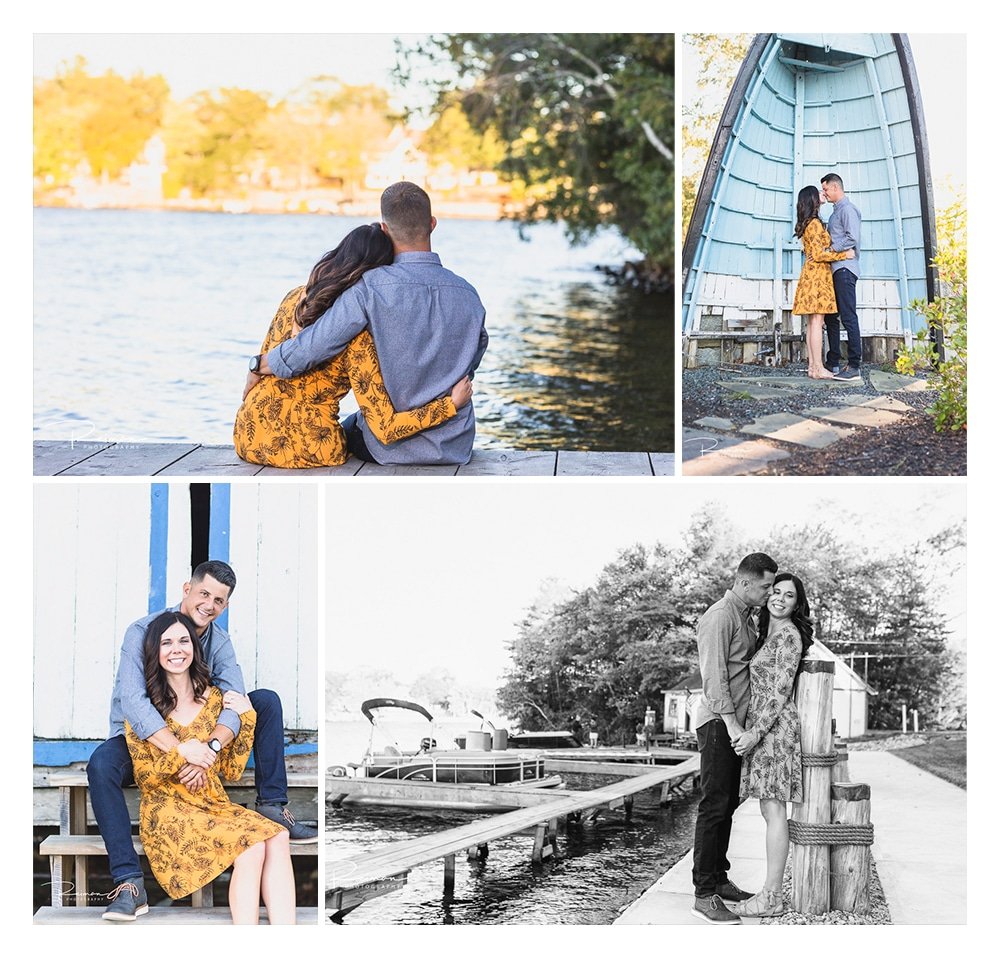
(586, 121)
(601, 657)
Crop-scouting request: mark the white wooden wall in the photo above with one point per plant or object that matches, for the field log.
(91, 580)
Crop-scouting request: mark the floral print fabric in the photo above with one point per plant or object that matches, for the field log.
(773, 768)
(814, 292)
(192, 837)
(293, 424)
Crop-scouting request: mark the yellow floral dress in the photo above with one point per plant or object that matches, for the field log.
(814, 293)
(293, 424)
(192, 837)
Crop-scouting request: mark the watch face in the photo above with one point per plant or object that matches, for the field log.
(215, 745)
(254, 363)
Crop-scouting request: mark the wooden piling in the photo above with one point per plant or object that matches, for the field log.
(850, 864)
(449, 875)
(811, 862)
(841, 773)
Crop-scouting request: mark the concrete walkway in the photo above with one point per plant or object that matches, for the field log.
(919, 850)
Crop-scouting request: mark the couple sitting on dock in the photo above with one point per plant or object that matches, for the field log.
(380, 304)
(748, 730)
(181, 721)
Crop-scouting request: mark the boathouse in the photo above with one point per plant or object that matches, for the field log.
(850, 699)
(803, 105)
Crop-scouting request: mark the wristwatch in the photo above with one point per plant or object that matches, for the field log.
(215, 745)
(255, 363)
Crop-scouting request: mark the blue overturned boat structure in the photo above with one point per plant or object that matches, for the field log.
(804, 105)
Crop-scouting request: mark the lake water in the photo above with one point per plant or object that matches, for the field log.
(144, 321)
(600, 868)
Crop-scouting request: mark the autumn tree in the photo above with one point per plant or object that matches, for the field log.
(586, 121)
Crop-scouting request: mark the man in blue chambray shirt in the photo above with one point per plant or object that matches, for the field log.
(845, 233)
(109, 771)
(429, 330)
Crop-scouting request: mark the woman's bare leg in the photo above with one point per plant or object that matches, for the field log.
(814, 344)
(244, 885)
(277, 881)
(776, 815)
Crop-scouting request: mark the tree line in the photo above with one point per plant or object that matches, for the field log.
(598, 659)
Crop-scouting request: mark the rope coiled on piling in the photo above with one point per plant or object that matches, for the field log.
(819, 759)
(810, 833)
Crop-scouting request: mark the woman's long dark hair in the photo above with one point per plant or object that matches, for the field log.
(362, 249)
(157, 688)
(807, 209)
(799, 618)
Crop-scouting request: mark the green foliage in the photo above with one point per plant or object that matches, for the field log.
(586, 121)
(599, 658)
(947, 316)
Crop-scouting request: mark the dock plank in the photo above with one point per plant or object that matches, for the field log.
(132, 459)
(52, 456)
(373, 469)
(211, 461)
(603, 464)
(166, 915)
(664, 463)
(510, 462)
(498, 796)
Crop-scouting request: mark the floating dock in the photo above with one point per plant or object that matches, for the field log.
(54, 457)
(375, 872)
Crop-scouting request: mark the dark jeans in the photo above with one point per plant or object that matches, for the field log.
(355, 439)
(720, 797)
(844, 286)
(109, 772)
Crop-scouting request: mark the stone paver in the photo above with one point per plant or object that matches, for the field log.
(715, 422)
(792, 382)
(885, 382)
(875, 402)
(757, 392)
(854, 415)
(730, 457)
(787, 427)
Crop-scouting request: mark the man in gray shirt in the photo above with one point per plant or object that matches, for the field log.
(205, 598)
(429, 330)
(727, 640)
(845, 233)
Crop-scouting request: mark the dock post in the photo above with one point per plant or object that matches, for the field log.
(628, 808)
(811, 858)
(841, 772)
(849, 863)
(449, 875)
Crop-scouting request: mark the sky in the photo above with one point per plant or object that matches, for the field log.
(463, 568)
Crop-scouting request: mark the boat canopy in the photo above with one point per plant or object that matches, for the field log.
(370, 704)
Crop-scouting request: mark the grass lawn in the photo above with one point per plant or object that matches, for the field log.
(944, 756)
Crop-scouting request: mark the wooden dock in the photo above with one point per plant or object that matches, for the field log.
(80, 459)
(375, 872)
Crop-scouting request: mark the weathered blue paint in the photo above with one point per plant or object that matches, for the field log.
(803, 105)
(56, 753)
(218, 531)
(159, 512)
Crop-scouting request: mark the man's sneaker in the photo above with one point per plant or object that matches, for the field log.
(128, 902)
(298, 834)
(848, 373)
(713, 910)
(832, 368)
(727, 891)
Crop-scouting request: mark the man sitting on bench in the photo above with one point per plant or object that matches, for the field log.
(109, 771)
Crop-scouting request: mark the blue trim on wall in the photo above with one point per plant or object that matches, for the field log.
(159, 513)
(65, 752)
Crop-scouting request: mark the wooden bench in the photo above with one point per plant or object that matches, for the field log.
(69, 850)
(159, 916)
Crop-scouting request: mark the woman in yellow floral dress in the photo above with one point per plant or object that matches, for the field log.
(814, 295)
(770, 746)
(191, 837)
(293, 423)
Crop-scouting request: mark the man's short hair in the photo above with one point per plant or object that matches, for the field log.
(406, 211)
(833, 178)
(755, 565)
(218, 570)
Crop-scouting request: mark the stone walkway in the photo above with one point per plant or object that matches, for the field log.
(919, 850)
(715, 446)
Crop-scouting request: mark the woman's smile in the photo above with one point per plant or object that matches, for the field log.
(176, 651)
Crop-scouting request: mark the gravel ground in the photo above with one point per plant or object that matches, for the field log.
(909, 448)
(879, 909)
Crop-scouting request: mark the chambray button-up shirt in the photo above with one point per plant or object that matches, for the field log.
(129, 699)
(845, 233)
(727, 640)
(429, 330)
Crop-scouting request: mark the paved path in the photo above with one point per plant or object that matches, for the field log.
(715, 446)
(919, 850)
(59, 458)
